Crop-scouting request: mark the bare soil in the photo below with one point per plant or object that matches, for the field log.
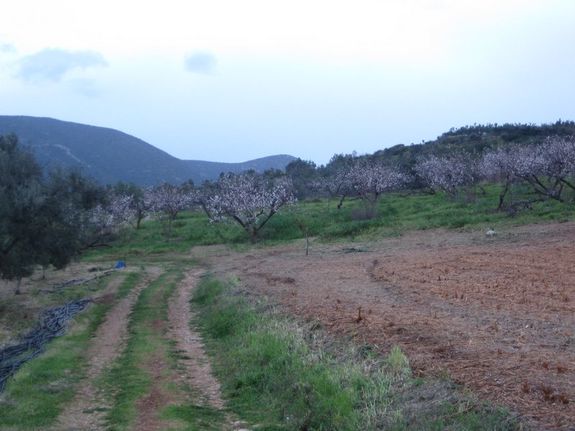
(496, 313)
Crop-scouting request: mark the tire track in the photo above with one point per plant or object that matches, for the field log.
(197, 370)
(87, 409)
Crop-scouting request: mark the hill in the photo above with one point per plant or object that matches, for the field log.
(475, 140)
(109, 155)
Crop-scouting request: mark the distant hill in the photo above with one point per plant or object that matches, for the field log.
(109, 155)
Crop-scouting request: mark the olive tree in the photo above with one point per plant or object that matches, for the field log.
(41, 218)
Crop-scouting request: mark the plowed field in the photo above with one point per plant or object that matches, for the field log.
(496, 313)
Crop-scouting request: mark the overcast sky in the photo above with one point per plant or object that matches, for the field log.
(230, 80)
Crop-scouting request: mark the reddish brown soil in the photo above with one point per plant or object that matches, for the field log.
(148, 407)
(497, 313)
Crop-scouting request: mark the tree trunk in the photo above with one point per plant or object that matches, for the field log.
(17, 290)
(502, 196)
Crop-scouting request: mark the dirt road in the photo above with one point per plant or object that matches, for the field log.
(86, 411)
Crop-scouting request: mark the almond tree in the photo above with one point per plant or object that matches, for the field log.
(448, 174)
(555, 162)
(370, 179)
(249, 200)
(547, 167)
(560, 159)
(337, 185)
(103, 221)
(138, 206)
(499, 166)
(166, 201)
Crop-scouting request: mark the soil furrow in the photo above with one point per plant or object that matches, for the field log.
(497, 314)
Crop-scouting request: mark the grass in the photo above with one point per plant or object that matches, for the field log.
(273, 376)
(39, 391)
(196, 418)
(396, 213)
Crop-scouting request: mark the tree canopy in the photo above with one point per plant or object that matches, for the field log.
(42, 219)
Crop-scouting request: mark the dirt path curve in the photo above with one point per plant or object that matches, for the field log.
(195, 363)
(87, 409)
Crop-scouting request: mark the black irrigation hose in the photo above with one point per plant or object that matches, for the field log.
(52, 324)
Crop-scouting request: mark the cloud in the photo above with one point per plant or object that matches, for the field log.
(201, 62)
(7, 48)
(85, 87)
(52, 64)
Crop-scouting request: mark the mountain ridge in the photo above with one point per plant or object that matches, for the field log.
(109, 155)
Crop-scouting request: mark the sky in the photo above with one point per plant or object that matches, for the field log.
(228, 80)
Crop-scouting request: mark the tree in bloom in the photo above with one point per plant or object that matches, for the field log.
(499, 166)
(336, 185)
(549, 167)
(369, 179)
(166, 201)
(448, 174)
(249, 200)
(138, 207)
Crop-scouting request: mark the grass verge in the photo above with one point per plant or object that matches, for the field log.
(36, 395)
(282, 375)
(395, 213)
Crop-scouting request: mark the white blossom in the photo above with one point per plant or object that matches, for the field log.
(248, 199)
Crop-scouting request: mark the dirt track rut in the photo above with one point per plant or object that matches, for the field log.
(87, 409)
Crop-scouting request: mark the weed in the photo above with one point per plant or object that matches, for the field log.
(276, 375)
(397, 362)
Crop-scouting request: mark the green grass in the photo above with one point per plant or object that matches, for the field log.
(131, 279)
(38, 392)
(274, 377)
(196, 418)
(396, 213)
(127, 381)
